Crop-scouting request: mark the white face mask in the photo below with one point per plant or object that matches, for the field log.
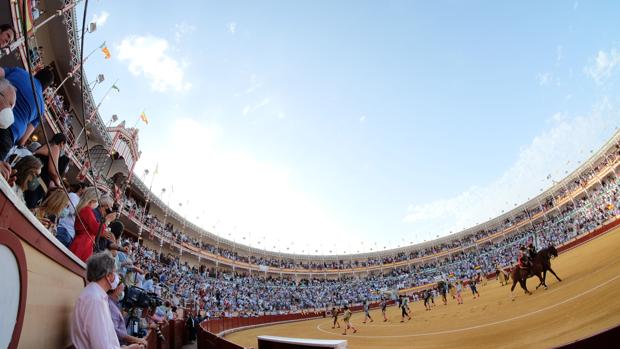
(116, 281)
(6, 118)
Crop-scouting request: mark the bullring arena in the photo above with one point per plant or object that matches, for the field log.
(583, 304)
(303, 157)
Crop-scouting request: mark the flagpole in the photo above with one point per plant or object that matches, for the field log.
(161, 243)
(74, 70)
(96, 109)
(148, 198)
(111, 121)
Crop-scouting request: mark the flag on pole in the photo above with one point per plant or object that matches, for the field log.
(156, 169)
(116, 88)
(106, 52)
(144, 118)
(28, 17)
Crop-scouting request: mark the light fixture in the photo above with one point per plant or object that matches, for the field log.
(92, 27)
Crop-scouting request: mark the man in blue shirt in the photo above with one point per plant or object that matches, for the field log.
(25, 111)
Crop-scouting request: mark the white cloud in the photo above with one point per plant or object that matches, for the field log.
(245, 194)
(552, 152)
(247, 110)
(148, 56)
(558, 117)
(602, 67)
(544, 79)
(181, 30)
(232, 27)
(101, 18)
(254, 84)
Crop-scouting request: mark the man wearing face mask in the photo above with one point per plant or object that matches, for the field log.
(92, 326)
(27, 105)
(7, 103)
(114, 297)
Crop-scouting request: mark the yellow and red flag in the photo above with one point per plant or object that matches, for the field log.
(106, 52)
(144, 118)
(28, 15)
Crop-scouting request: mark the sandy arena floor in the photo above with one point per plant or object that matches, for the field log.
(584, 303)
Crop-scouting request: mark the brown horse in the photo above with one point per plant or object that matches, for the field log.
(541, 263)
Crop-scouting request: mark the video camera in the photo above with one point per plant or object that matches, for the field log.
(136, 297)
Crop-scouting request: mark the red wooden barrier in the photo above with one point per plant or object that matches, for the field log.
(208, 340)
(165, 330)
(177, 334)
(151, 339)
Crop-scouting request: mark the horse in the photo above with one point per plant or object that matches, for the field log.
(539, 267)
(545, 256)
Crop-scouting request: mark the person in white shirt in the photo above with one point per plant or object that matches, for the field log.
(65, 232)
(92, 326)
(147, 285)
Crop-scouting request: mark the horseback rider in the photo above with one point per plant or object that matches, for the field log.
(531, 250)
(524, 260)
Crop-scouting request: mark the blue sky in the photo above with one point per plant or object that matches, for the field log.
(350, 125)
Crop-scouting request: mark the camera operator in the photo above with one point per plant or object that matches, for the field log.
(114, 297)
(92, 327)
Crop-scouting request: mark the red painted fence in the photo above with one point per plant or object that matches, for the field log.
(210, 329)
(174, 332)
